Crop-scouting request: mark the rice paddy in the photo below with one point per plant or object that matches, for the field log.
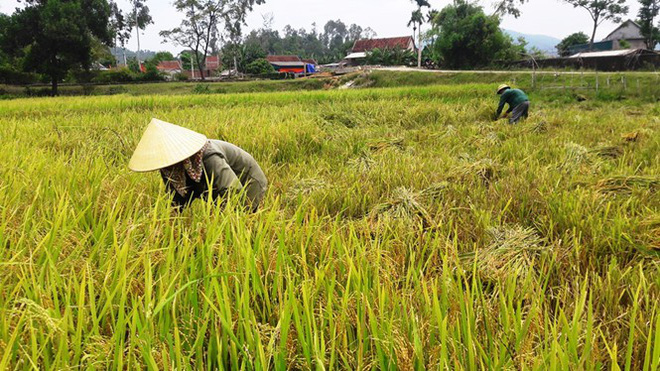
(403, 229)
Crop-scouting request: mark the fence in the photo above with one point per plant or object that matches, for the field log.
(634, 62)
(640, 84)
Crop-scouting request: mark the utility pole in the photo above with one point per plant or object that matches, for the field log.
(419, 46)
(192, 66)
(137, 31)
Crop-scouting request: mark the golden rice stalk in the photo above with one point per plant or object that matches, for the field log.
(511, 250)
(305, 187)
(492, 138)
(363, 163)
(384, 144)
(450, 131)
(626, 184)
(637, 135)
(575, 155)
(484, 169)
(539, 128)
(40, 314)
(608, 151)
(651, 231)
(403, 205)
(630, 137)
(434, 191)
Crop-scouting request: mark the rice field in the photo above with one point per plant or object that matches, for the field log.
(403, 229)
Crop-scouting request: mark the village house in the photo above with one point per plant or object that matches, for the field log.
(627, 36)
(169, 68)
(212, 65)
(211, 68)
(630, 32)
(362, 47)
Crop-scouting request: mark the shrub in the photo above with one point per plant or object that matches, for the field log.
(180, 77)
(82, 76)
(88, 89)
(9, 75)
(202, 89)
(126, 75)
(260, 67)
(391, 57)
(152, 74)
(275, 76)
(116, 90)
(37, 92)
(119, 75)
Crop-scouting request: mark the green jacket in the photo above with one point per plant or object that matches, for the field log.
(512, 97)
(226, 168)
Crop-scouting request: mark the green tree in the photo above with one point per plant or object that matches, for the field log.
(101, 53)
(601, 11)
(119, 28)
(157, 58)
(536, 53)
(416, 20)
(356, 32)
(509, 7)
(564, 47)
(330, 45)
(241, 55)
(391, 57)
(162, 56)
(268, 40)
(338, 39)
(189, 60)
(57, 35)
(5, 22)
(648, 11)
(199, 29)
(468, 38)
(259, 67)
(139, 18)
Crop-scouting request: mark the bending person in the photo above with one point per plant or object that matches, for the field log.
(516, 99)
(189, 163)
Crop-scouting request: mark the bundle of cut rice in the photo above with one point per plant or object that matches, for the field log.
(626, 184)
(510, 251)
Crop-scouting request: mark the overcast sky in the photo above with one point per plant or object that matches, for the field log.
(386, 17)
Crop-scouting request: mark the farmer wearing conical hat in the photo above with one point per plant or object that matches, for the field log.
(516, 99)
(189, 164)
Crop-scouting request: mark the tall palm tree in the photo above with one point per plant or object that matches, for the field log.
(416, 20)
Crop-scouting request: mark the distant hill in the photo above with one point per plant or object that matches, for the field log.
(119, 54)
(542, 42)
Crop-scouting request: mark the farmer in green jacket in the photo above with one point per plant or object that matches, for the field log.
(516, 99)
(189, 164)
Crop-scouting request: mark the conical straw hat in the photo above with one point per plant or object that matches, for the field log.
(164, 144)
(502, 87)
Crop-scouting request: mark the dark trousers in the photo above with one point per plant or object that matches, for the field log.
(519, 112)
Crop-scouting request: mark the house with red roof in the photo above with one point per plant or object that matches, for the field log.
(169, 68)
(211, 68)
(362, 47)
